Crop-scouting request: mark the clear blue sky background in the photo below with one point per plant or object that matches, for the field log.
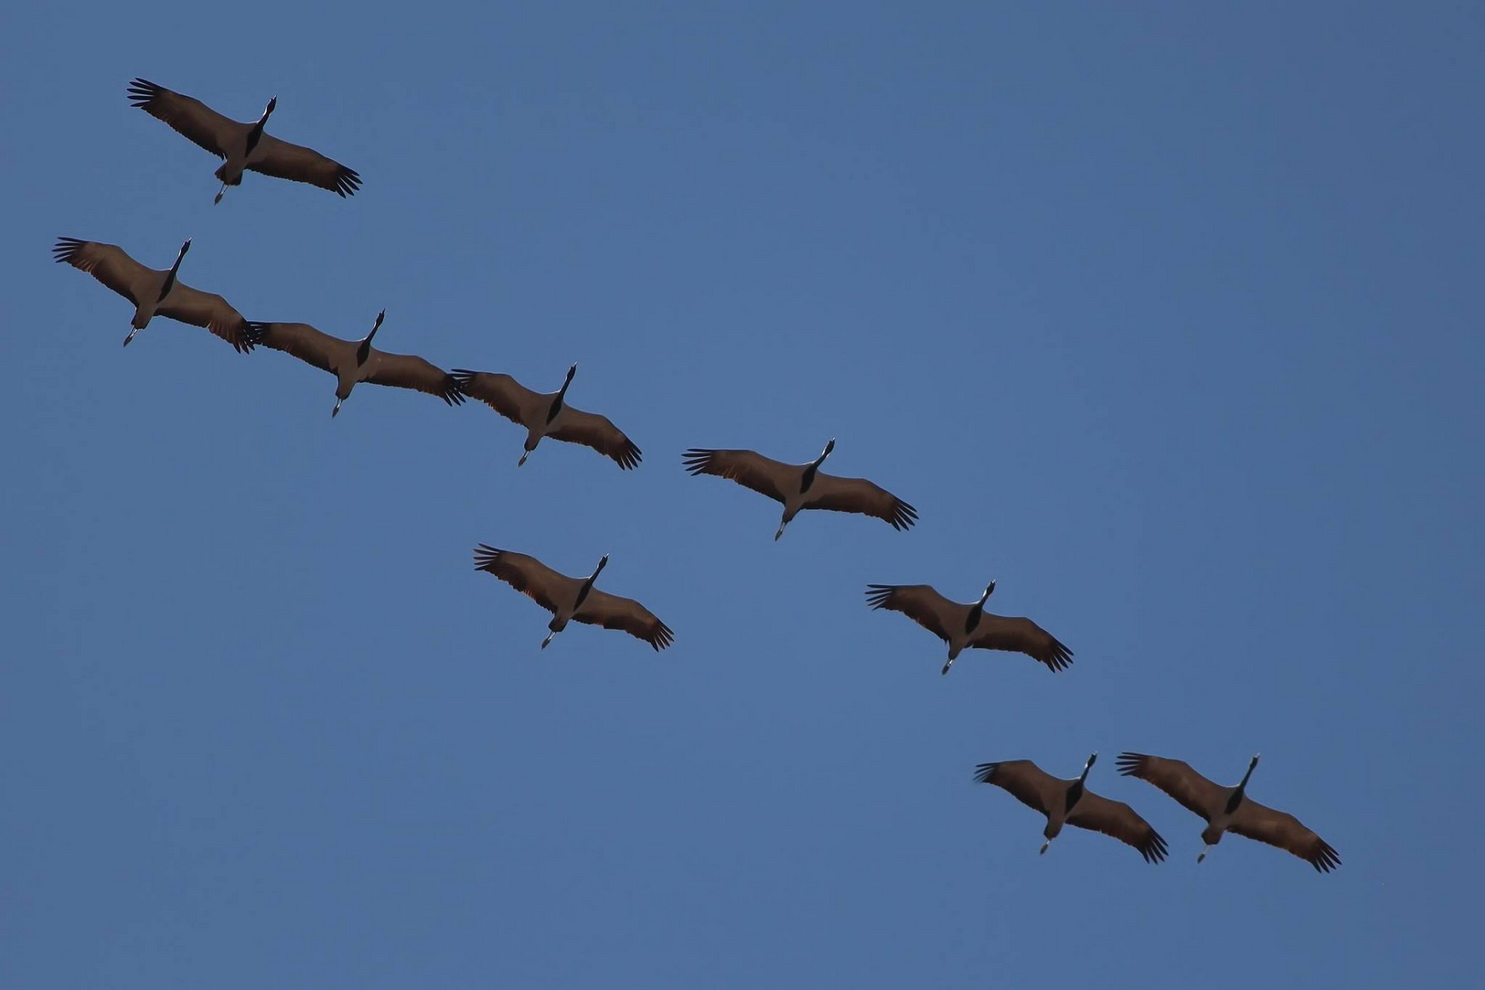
(1166, 317)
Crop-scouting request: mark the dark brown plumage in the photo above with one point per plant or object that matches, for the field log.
(1230, 809)
(153, 292)
(801, 486)
(357, 361)
(243, 145)
(966, 626)
(548, 415)
(1070, 802)
(569, 598)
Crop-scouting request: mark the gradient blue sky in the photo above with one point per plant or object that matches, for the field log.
(1160, 315)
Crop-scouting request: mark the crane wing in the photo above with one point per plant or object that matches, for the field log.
(920, 603)
(1281, 829)
(302, 341)
(1194, 792)
(746, 467)
(107, 263)
(527, 575)
(1026, 782)
(209, 310)
(1020, 635)
(503, 394)
(283, 160)
(598, 432)
(197, 121)
(411, 371)
(1119, 820)
(613, 612)
(859, 495)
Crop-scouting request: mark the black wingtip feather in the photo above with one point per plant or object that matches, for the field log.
(1130, 764)
(485, 555)
(142, 91)
(629, 457)
(903, 515)
(347, 181)
(984, 772)
(66, 248)
(696, 459)
(452, 393)
(877, 595)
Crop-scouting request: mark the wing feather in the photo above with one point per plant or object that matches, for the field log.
(108, 263)
(859, 495)
(920, 603)
(1026, 782)
(612, 612)
(503, 394)
(188, 116)
(1190, 789)
(411, 371)
(209, 310)
(283, 160)
(1020, 635)
(527, 575)
(302, 341)
(598, 432)
(1117, 819)
(1283, 830)
(746, 467)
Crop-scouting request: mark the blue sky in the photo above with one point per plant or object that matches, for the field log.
(1160, 315)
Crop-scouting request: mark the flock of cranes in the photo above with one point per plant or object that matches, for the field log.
(248, 147)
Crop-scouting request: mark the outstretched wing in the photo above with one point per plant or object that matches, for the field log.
(1026, 782)
(612, 612)
(746, 467)
(283, 160)
(1194, 792)
(302, 341)
(503, 394)
(411, 371)
(860, 495)
(527, 575)
(918, 602)
(1020, 635)
(197, 121)
(209, 310)
(106, 262)
(1119, 820)
(598, 432)
(1283, 830)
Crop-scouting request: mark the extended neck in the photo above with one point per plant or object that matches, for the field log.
(824, 454)
(365, 349)
(170, 276)
(556, 405)
(256, 134)
(1236, 798)
(1086, 767)
(588, 584)
(1244, 782)
(977, 609)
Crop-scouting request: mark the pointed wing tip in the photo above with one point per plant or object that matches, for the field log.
(1130, 764)
(984, 771)
(485, 555)
(142, 91)
(697, 459)
(66, 248)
